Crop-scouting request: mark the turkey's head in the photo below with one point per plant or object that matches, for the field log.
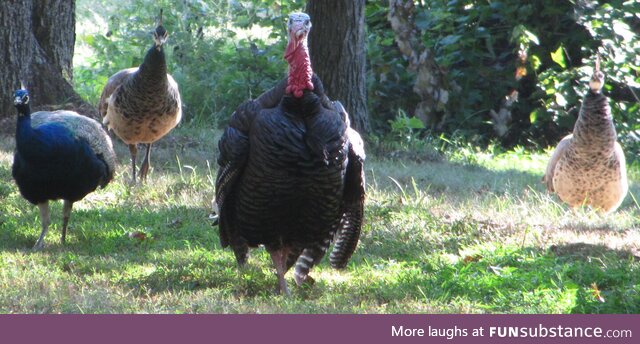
(297, 54)
(299, 26)
(160, 34)
(21, 101)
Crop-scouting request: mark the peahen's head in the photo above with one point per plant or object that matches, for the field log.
(299, 26)
(160, 34)
(597, 79)
(21, 101)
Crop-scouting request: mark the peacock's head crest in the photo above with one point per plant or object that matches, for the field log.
(21, 101)
(160, 34)
(21, 97)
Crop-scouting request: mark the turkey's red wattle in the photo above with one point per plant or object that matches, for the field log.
(300, 72)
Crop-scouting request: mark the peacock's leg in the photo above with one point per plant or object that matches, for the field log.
(144, 169)
(45, 219)
(66, 214)
(134, 152)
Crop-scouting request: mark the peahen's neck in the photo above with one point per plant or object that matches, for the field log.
(153, 69)
(300, 72)
(594, 129)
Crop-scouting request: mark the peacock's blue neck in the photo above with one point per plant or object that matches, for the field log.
(23, 127)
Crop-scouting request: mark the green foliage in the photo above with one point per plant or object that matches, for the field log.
(610, 29)
(389, 83)
(545, 50)
(220, 53)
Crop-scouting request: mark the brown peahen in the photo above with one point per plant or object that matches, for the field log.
(588, 166)
(142, 104)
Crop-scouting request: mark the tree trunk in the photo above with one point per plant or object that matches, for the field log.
(430, 83)
(37, 39)
(338, 57)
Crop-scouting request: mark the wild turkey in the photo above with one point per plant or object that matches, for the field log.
(59, 155)
(588, 166)
(291, 172)
(142, 104)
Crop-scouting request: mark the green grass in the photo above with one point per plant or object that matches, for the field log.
(471, 232)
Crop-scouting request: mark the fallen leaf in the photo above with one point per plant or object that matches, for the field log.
(596, 292)
(473, 258)
(138, 235)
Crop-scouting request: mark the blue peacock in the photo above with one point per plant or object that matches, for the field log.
(59, 155)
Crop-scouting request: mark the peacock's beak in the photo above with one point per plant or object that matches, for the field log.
(17, 100)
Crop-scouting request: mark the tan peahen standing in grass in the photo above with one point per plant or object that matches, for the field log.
(588, 166)
(142, 104)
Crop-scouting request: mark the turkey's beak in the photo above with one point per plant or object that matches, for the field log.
(299, 30)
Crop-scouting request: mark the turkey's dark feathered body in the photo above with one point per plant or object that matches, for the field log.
(588, 166)
(290, 177)
(287, 194)
(54, 161)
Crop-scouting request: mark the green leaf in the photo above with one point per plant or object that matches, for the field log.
(533, 116)
(415, 123)
(451, 39)
(558, 57)
(535, 62)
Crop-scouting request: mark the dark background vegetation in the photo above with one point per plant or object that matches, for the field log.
(223, 52)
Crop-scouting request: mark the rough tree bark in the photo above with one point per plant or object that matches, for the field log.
(37, 39)
(337, 48)
(430, 83)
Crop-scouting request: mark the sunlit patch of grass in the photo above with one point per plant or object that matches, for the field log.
(473, 234)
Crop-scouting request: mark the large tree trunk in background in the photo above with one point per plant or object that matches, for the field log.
(430, 83)
(37, 39)
(337, 48)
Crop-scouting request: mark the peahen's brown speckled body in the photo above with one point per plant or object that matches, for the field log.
(588, 167)
(142, 104)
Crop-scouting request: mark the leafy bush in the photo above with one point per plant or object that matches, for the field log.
(220, 53)
(223, 52)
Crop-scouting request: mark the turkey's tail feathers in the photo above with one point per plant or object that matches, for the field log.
(308, 259)
(353, 204)
(347, 237)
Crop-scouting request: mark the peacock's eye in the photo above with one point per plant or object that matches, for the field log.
(306, 22)
(25, 99)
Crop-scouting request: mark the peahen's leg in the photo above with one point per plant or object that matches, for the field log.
(45, 219)
(144, 169)
(66, 214)
(133, 149)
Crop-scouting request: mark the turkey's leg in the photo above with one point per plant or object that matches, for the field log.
(45, 219)
(134, 152)
(144, 168)
(279, 258)
(66, 214)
